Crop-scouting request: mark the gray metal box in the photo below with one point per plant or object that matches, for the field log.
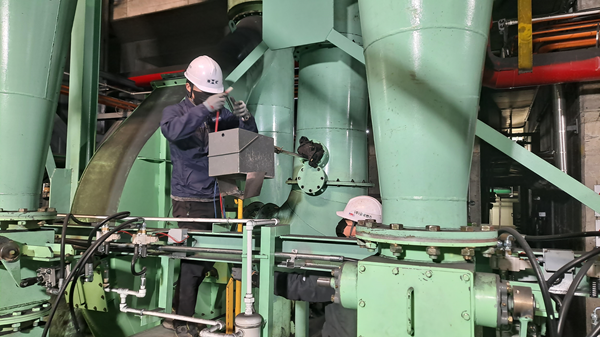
(237, 152)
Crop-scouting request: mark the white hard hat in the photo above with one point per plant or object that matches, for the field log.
(206, 74)
(362, 208)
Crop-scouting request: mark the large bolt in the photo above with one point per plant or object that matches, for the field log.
(466, 228)
(467, 253)
(486, 228)
(433, 228)
(510, 320)
(22, 210)
(433, 252)
(396, 249)
(396, 226)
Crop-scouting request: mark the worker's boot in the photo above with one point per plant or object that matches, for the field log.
(186, 330)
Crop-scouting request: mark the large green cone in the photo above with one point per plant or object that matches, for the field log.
(424, 62)
(34, 39)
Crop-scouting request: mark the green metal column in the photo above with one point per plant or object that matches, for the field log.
(272, 103)
(424, 62)
(34, 37)
(83, 87)
(332, 109)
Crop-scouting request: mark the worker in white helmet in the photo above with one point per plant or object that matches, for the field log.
(339, 321)
(358, 208)
(193, 192)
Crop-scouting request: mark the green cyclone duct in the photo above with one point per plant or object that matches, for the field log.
(34, 39)
(424, 62)
(272, 103)
(332, 109)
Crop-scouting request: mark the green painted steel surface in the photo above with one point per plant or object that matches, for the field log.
(486, 299)
(147, 189)
(541, 167)
(14, 299)
(332, 109)
(272, 103)
(113, 322)
(290, 23)
(424, 62)
(101, 185)
(83, 88)
(395, 298)
(34, 42)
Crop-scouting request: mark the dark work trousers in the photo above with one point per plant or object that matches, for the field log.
(191, 273)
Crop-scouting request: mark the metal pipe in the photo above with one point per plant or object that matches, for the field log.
(560, 127)
(249, 299)
(555, 17)
(206, 220)
(330, 258)
(199, 250)
(143, 312)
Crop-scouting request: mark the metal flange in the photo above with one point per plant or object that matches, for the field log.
(483, 236)
(311, 180)
(17, 318)
(25, 219)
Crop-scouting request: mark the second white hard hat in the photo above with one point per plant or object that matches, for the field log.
(206, 74)
(362, 208)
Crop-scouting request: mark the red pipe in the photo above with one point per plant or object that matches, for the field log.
(574, 71)
(144, 80)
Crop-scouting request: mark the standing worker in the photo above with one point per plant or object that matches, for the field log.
(194, 193)
(339, 321)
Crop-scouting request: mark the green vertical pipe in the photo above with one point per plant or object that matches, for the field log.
(271, 102)
(34, 39)
(83, 87)
(332, 109)
(424, 61)
(301, 313)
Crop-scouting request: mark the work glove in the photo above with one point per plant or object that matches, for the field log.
(240, 110)
(311, 151)
(215, 102)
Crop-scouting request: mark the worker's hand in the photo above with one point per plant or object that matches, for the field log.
(215, 102)
(240, 110)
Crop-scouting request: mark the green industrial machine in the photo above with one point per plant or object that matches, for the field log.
(421, 272)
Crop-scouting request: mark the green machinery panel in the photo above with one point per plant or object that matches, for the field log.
(402, 299)
(285, 22)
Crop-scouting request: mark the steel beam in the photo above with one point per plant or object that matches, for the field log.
(83, 88)
(541, 167)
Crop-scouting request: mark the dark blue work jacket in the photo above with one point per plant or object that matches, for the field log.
(186, 127)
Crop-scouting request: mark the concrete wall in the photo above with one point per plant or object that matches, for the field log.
(589, 107)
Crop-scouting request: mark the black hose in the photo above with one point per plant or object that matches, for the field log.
(136, 254)
(594, 331)
(564, 310)
(539, 275)
(558, 301)
(562, 270)
(77, 221)
(116, 216)
(78, 265)
(566, 236)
